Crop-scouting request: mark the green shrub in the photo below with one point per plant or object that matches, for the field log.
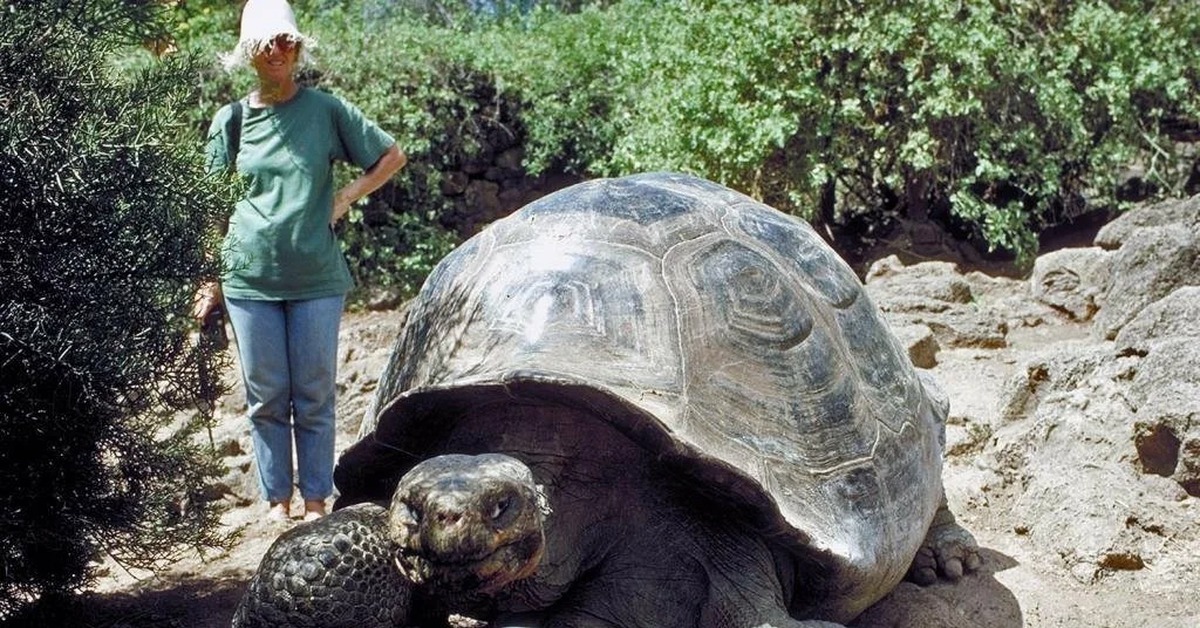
(1009, 116)
(1001, 117)
(393, 252)
(105, 218)
(996, 118)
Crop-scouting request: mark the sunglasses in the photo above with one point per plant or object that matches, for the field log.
(281, 42)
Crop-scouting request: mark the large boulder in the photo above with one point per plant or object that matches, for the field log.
(1064, 452)
(1175, 316)
(919, 342)
(1179, 211)
(1165, 396)
(1071, 280)
(1157, 251)
(1165, 392)
(925, 286)
(1095, 446)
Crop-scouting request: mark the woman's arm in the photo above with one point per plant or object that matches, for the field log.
(371, 180)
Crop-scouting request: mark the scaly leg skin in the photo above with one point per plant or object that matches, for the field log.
(335, 572)
(949, 550)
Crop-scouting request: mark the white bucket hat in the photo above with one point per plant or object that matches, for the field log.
(262, 22)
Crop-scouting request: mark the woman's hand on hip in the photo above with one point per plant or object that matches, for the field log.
(341, 207)
(375, 176)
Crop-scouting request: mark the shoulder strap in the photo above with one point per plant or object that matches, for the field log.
(235, 134)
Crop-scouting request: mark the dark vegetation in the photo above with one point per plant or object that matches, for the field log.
(103, 222)
(993, 121)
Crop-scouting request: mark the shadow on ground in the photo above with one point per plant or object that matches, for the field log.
(976, 601)
(199, 603)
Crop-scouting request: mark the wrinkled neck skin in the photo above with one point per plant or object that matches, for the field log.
(621, 529)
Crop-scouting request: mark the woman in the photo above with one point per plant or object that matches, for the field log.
(285, 280)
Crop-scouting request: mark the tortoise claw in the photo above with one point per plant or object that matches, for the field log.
(949, 552)
(924, 567)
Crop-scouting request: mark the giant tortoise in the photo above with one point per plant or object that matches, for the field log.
(645, 401)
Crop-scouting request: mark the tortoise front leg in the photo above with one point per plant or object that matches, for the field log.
(335, 572)
(948, 550)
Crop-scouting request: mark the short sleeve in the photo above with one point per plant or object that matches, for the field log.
(362, 141)
(217, 142)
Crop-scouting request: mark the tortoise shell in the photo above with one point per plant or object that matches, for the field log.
(722, 335)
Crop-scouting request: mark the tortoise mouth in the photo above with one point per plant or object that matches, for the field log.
(504, 565)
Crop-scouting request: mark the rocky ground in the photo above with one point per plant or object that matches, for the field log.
(1073, 453)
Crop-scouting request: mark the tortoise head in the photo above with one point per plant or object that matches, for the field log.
(467, 524)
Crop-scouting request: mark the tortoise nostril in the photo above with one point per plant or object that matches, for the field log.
(448, 518)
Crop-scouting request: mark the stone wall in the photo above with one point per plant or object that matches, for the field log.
(493, 185)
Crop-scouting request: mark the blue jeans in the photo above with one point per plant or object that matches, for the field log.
(288, 351)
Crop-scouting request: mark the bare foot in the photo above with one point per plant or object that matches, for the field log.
(314, 509)
(280, 511)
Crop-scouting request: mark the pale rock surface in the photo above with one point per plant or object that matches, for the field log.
(1070, 280)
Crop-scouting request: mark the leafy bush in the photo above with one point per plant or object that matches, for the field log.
(995, 118)
(1004, 116)
(104, 222)
(1001, 117)
(1009, 116)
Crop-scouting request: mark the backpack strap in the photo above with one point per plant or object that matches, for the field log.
(234, 134)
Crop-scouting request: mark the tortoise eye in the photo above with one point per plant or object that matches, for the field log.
(500, 508)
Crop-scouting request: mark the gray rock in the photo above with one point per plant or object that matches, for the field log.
(1050, 377)
(1071, 280)
(927, 286)
(937, 296)
(381, 299)
(1174, 316)
(919, 342)
(969, 329)
(1121, 229)
(911, 606)
(1063, 454)
(1165, 394)
(1150, 264)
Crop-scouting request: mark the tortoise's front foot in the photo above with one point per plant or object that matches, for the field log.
(949, 551)
(335, 572)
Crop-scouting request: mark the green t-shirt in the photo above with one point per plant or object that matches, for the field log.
(279, 245)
